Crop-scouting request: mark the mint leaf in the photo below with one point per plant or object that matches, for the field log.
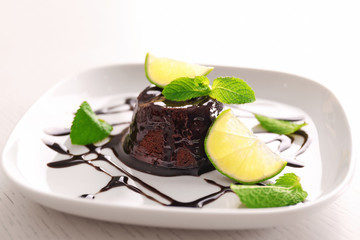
(278, 126)
(185, 88)
(285, 192)
(228, 90)
(87, 128)
(232, 90)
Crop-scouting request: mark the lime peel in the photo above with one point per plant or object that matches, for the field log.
(243, 157)
(161, 71)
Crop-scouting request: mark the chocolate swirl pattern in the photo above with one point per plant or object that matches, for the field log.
(122, 179)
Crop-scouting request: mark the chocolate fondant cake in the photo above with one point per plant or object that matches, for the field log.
(166, 137)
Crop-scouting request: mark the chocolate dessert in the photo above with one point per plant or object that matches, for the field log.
(166, 137)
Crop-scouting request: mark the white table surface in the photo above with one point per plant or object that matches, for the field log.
(43, 41)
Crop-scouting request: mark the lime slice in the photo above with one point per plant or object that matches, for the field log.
(162, 71)
(238, 154)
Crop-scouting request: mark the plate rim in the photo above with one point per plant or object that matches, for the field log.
(321, 201)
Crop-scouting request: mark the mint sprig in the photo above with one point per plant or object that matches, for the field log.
(278, 126)
(232, 90)
(183, 89)
(285, 192)
(87, 128)
(228, 90)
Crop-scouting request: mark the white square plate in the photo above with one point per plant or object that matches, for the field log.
(328, 162)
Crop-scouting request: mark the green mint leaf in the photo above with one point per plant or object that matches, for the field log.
(278, 126)
(87, 128)
(232, 90)
(285, 192)
(185, 88)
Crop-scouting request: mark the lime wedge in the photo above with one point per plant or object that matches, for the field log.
(238, 154)
(162, 71)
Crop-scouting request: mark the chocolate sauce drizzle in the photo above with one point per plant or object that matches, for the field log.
(128, 103)
(122, 180)
(286, 141)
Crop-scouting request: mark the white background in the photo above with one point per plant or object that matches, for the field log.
(42, 42)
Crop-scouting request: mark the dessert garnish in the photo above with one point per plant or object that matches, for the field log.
(180, 127)
(238, 154)
(278, 126)
(229, 90)
(161, 71)
(286, 191)
(182, 89)
(87, 128)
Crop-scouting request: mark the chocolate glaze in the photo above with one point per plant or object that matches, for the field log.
(166, 137)
(122, 180)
